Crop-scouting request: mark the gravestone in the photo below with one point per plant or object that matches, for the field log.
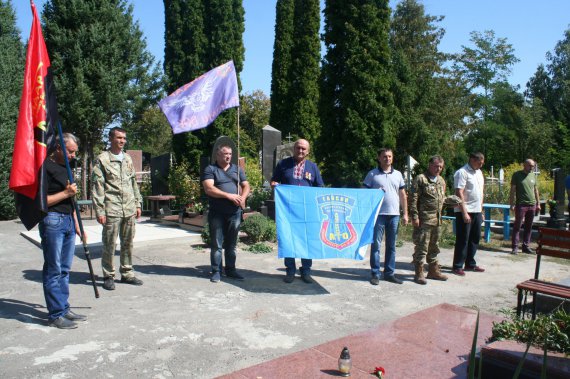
(137, 158)
(270, 139)
(557, 218)
(159, 171)
(281, 152)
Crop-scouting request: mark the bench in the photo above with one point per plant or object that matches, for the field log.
(551, 243)
(487, 225)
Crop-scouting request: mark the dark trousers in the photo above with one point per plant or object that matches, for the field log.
(466, 240)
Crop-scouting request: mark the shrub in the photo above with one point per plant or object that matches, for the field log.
(259, 228)
(206, 234)
(256, 197)
(260, 248)
(184, 187)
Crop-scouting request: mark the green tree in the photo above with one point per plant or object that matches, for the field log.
(281, 67)
(417, 65)
(254, 115)
(356, 102)
(200, 35)
(12, 72)
(151, 133)
(486, 64)
(103, 73)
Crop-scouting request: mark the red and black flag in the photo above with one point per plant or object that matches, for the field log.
(35, 133)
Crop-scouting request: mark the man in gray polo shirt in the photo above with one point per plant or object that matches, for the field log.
(226, 195)
(391, 181)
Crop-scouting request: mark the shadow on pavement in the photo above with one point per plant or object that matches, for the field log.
(24, 312)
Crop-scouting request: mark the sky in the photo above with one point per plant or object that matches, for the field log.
(532, 27)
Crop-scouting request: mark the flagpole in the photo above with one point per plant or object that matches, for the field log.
(77, 211)
(238, 187)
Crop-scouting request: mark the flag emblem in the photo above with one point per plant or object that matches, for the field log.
(337, 231)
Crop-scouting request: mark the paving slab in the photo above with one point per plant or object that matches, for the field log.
(179, 324)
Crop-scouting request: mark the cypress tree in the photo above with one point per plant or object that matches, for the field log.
(303, 96)
(12, 73)
(356, 102)
(295, 76)
(282, 49)
(200, 35)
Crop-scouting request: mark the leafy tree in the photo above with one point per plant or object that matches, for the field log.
(489, 62)
(282, 51)
(11, 72)
(254, 115)
(419, 80)
(356, 102)
(200, 35)
(103, 73)
(151, 133)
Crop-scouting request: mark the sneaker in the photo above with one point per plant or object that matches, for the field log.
(528, 250)
(375, 280)
(215, 277)
(514, 252)
(307, 278)
(72, 316)
(109, 284)
(132, 280)
(393, 279)
(458, 271)
(289, 278)
(234, 275)
(474, 268)
(62, 323)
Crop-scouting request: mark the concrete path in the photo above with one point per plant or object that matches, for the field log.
(179, 324)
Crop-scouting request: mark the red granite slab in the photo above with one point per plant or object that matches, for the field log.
(433, 343)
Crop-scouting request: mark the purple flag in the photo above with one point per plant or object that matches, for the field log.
(198, 103)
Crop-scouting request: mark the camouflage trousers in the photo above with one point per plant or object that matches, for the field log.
(124, 228)
(426, 241)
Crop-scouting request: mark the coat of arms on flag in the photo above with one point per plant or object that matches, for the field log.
(322, 223)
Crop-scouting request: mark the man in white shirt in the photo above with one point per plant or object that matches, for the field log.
(469, 183)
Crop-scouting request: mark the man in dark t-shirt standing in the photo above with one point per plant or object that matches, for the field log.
(226, 196)
(298, 171)
(524, 200)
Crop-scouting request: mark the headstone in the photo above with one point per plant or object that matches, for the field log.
(159, 171)
(270, 139)
(557, 219)
(137, 157)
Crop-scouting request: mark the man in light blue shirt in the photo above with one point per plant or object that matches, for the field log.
(392, 183)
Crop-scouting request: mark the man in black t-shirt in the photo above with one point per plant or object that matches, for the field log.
(226, 203)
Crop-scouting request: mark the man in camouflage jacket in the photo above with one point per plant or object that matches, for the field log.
(426, 205)
(117, 202)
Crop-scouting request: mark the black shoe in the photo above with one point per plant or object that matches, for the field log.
(215, 277)
(393, 279)
(234, 275)
(375, 280)
(132, 280)
(528, 250)
(62, 323)
(109, 284)
(307, 278)
(72, 316)
(289, 278)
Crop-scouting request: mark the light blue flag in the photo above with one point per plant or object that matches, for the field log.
(323, 223)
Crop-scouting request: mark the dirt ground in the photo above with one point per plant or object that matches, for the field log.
(179, 324)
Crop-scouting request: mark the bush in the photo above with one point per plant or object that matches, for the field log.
(260, 248)
(259, 228)
(185, 188)
(256, 198)
(206, 234)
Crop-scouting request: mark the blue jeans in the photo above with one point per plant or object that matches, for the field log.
(305, 266)
(57, 231)
(389, 225)
(224, 229)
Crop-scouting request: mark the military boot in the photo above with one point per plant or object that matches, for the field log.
(419, 277)
(435, 273)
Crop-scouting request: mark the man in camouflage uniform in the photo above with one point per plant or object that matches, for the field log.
(426, 204)
(117, 202)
